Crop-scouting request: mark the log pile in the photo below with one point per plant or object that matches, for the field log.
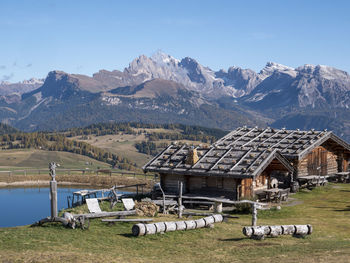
(145, 208)
(162, 227)
(259, 232)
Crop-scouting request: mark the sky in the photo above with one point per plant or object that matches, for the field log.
(38, 36)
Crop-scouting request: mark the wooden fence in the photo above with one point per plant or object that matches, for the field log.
(109, 172)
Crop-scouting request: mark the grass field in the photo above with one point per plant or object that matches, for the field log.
(123, 144)
(120, 144)
(32, 158)
(327, 209)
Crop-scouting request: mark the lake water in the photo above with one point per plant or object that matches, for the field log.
(24, 206)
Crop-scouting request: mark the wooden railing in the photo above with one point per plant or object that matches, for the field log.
(97, 172)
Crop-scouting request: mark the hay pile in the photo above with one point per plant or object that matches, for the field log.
(145, 208)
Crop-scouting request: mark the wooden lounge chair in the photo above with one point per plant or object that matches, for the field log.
(93, 205)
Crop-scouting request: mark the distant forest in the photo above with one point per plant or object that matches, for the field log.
(186, 132)
(11, 138)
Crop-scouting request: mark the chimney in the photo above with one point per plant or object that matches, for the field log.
(192, 156)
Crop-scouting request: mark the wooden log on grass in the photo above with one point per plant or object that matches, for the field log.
(161, 227)
(259, 232)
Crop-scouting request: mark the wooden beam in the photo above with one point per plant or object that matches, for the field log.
(232, 143)
(174, 154)
(314, 144)
(156, 157)
(261, 134)
(300, 138)
(273, 135)
(128, 220)
(279, 142)
(106, 214)
(240, 160)
(257, 158)
(203, 156)
(220, 159)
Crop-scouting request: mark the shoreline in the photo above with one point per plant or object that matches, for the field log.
(40, 183)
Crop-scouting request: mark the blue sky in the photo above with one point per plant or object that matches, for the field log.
(85, 36)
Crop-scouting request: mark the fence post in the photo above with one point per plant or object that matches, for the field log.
(180, 200)
(53, 190)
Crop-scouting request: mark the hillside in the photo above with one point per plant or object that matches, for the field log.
(109, 144)
(34, 158)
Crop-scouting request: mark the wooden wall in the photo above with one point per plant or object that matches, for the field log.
(319, 162)
(346, 165)
(201, 185)
(170, 182)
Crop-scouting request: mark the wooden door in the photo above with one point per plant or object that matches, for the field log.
(317, 162)
(323, 162)
(247, 187)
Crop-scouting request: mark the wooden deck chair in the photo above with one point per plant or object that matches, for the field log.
(93, 205)
(128, 203)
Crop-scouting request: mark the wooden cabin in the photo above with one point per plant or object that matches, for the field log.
(248, 160)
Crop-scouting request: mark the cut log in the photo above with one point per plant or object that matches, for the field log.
(190, 224)
(170, 226)
(161, 227)
(180, 225)
(138, 230)
(259, 232)
(200, 223)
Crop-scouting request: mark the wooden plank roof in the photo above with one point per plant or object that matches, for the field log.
(243, 153)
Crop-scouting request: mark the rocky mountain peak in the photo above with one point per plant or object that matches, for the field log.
(162, 58)
(272, 67)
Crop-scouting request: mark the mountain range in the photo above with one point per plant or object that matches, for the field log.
(164, 89)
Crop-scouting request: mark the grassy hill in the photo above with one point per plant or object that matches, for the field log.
(33, 158)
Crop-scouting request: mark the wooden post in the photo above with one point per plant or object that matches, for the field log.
(53, 190)
(164, 208)
(254, 214)
(180, 200)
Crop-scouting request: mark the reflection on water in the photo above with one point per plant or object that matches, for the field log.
(23, 206)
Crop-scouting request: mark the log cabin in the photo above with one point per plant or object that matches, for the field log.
(247, 160)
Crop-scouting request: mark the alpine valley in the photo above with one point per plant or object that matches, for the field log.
(162, 89)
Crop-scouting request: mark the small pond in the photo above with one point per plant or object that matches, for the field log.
(24, 206)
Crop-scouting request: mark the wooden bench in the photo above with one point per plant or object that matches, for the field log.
(116, 220)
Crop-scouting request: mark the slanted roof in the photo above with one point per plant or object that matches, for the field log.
(244, 152)
(293, 144)
(215, 161)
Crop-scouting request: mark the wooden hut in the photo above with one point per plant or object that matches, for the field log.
(247, 159)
